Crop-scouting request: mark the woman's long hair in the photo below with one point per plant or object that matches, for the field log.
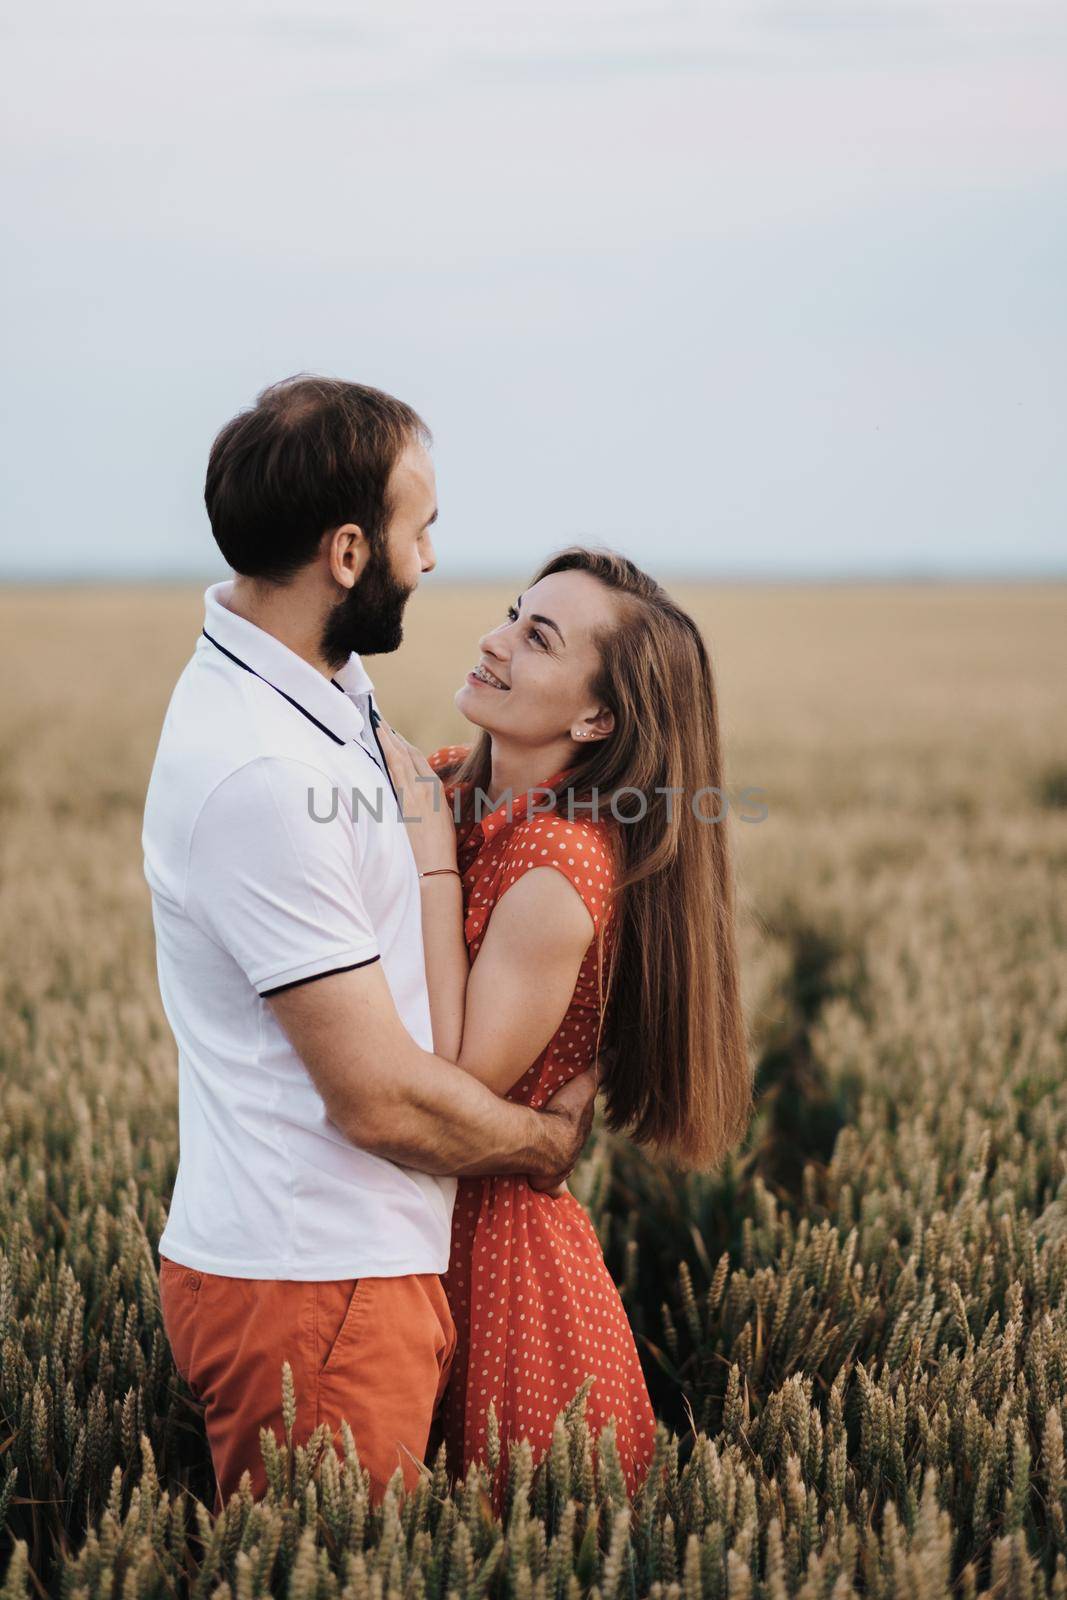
(677, 1075)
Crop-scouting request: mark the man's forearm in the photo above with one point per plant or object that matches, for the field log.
(389, 1096)
(435, 1117)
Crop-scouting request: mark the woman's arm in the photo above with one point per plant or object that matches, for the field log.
(522, 982)
(433, 843)
(495, 1018)
(447, 964)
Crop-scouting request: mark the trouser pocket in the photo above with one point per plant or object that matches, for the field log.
(336, 1314)
(178, 1290)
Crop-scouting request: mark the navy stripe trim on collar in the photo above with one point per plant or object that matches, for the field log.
(304, 712)
(374, 721)
(374, 716)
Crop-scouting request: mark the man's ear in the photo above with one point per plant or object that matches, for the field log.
(347, 553)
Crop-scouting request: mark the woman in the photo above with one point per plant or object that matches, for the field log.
(578, 937)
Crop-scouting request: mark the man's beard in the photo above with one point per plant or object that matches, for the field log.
(369, 620)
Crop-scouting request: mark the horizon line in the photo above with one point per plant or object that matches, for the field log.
(839, 575)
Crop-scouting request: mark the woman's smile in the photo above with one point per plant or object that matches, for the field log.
(482, 674)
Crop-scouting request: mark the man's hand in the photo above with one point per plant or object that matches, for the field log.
(569, 1117)
(558, 1192)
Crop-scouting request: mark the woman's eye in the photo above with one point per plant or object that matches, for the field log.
(535, 633)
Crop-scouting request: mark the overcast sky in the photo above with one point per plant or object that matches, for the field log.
(763, 288)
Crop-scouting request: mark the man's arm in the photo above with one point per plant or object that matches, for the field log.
(279, 892)
(390, 1097)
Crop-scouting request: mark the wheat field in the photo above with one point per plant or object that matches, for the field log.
(855, 1333)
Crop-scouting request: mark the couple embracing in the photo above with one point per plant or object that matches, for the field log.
(392, 1018)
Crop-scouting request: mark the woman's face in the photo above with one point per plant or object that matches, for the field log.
(543, 659)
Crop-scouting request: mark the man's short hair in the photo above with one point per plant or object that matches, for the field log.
(311, 454)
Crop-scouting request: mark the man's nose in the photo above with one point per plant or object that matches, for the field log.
(429, 558)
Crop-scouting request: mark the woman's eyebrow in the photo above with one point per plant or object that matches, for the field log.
(547, 621)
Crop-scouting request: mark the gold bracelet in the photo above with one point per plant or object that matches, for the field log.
(433, 872)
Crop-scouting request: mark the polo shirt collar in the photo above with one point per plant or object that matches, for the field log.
(296, 678)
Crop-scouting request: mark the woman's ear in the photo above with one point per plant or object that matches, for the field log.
(601, 724)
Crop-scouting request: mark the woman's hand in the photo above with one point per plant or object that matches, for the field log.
(426, 812)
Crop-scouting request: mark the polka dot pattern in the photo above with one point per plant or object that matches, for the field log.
(534, 1305)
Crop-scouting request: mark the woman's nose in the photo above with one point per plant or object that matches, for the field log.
(490, 644)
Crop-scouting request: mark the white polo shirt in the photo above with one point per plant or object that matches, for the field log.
(253, 892)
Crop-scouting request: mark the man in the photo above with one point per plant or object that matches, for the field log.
(320, 1136)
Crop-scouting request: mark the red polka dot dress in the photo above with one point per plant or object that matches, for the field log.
(535, 1308)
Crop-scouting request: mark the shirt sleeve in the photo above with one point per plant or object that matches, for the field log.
(272, 884)
(576, 849)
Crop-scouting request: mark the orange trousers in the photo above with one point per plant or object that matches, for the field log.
(374, 1351)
